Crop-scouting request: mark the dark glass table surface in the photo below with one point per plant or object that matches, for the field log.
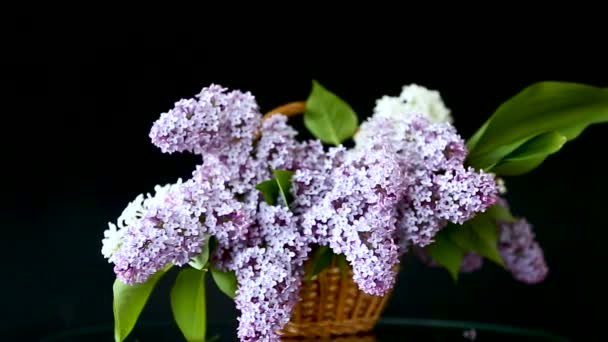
(388, 329)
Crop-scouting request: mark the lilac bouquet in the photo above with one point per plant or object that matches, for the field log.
(264, 212)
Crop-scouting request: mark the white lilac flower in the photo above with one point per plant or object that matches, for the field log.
(130, 216)
(173, 229)
(111, 241)
(413, 100)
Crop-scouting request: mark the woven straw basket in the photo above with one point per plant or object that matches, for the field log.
(330, 303)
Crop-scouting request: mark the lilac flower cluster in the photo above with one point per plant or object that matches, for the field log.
(216, 122)
(368, 203)
(174, 228)
(270, 275)
(521, 253)
(398, 189)
(439, 188)
(353, 210)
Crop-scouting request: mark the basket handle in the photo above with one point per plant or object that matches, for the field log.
(290, 109)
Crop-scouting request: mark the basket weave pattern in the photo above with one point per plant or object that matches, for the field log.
(332, 304)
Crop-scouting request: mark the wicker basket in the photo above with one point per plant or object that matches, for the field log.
(331, 303)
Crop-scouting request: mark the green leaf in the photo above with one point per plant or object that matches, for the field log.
(283, 179)
(479, 235)
(188, 304)
(343, 264)
(280, 184)
(321, 259)
(446, 252)
(225, 281)
(544, 107)
(270, 189)
(129, 301)
(530, 155)
(500, 213)
(200, 261)
(328, 117)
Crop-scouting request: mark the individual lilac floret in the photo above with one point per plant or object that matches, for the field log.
(355, 213)
(522, 255)
(173, 229)
(439, 188)
(270, 276)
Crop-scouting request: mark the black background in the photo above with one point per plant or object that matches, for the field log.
(83, 153)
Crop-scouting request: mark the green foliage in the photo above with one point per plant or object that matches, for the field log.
(283, 179)
(188, 304)
(270, 189)
(129, 301)
(531, 154)
(479, 235)
(321, 259)
(200, 261)
(446, 252)
(225, 281)
(343, 264)
(534, 124)
(279, 185)
(328, 117)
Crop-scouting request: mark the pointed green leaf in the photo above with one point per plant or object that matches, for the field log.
(270, 189)
(479, 235)
(328, 117)
(283, 179)
(500, 213)
(561, 107)
(225, 281)
(280, 184)
(129, 301)
(446, 252)
(530, 155)
(200, 261)
(321, 259)
(472, 142)
(188, 304)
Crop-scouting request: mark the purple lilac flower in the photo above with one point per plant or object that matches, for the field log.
(401, 188)
(355, 213)
(270, 276)
(216, 122)
(276, 147)
(173, 229)
(439, 188)
(523, 256)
